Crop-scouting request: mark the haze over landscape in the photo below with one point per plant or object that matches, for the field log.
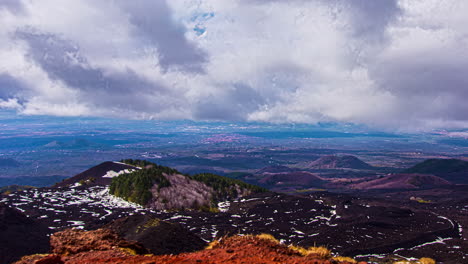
(234, 131)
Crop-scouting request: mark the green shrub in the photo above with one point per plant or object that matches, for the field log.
(136, 186)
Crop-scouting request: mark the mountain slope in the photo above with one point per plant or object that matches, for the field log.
(7, 162)
(20, 235)
(338, 162)
(101, 174)
(453, 170)
(275, 169)
(300, 178)
(439, 166)
(403, 181)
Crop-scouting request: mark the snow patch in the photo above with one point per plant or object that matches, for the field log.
(112, 174)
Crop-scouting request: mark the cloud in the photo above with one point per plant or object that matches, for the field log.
(390, 64)
(12, 5)
(158, 29)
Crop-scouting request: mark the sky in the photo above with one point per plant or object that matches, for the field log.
(390, 64)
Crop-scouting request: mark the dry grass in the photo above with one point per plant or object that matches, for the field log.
(268, 237)
(343, 259)
(311, 252)
(213, 244)
(299, 250)
(427, 261)
(129, 251)
(321, 252)
(420, 261)
(318, 252)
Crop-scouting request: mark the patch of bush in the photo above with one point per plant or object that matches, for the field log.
(225, 187)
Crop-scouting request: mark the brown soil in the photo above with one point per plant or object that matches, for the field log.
(73, 241)
(235, 250)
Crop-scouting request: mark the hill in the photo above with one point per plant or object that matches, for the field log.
(275, 169)
(453, 170)
(101, 174)
(439, 166)
(72, 144)
(338, 162)
(8, 162)
(300, 178)
(165, 188)
(403, 181)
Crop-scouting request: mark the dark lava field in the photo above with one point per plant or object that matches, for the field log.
(349, 225)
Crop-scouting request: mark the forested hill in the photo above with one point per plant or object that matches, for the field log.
(161, 187)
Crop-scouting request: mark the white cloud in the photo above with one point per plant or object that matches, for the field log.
(10, 104)
(394, 64)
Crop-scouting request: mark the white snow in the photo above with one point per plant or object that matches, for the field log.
(118, 162)
(76, 184)
(112, 174)
(297, 231)
(178, 217)
(224, 206)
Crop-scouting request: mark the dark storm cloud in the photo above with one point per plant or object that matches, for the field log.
(429, 86)
(153, 23)
(62, 60)
(236, 104)
(370, 18)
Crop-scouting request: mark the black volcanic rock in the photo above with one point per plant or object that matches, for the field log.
(8, 162)
(159, 237)
(14, 188)
(20, 235)
(339, 162)
(94, 176)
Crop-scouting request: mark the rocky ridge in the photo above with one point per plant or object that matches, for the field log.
(104, 246)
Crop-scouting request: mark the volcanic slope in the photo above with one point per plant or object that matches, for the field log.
(453, 170)
(99, 175)
(299, 178)
(337, 162)
(20, 235)
(402, 181)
